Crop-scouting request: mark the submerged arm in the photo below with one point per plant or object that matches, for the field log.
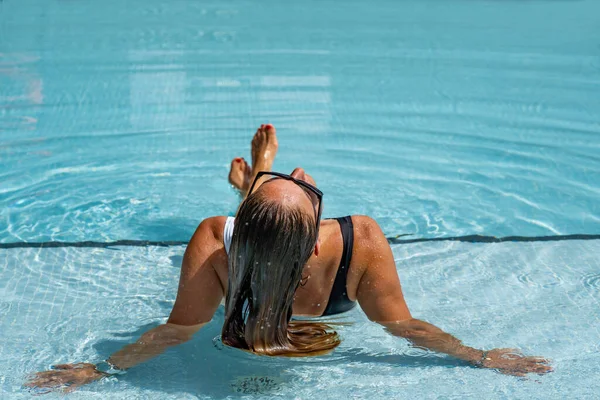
(199, 294)
(380, 296)
(426, 335)
(151, 344)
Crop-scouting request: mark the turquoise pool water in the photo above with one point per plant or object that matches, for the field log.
(437, 118)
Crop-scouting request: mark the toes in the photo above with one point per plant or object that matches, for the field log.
(236, 171)
(270, 134)
(258, 137)
(269, 130)
(264, 129)
(240, 173)
(237, 162)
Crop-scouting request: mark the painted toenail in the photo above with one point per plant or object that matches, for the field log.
(237, 159)
(268, 126)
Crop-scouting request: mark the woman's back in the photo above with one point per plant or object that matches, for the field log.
(319, 273)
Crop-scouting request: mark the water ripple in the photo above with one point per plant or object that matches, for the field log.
(545, 281)
(4, 307)
(591, 281)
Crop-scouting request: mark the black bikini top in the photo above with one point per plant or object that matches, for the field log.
(338, 299)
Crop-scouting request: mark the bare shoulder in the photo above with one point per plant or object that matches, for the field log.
(367, 232)
(369, 246)
(210, 227)
(369, 240)
(208, 236)
(378, 289)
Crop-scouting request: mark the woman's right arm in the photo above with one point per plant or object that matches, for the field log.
(198, 297)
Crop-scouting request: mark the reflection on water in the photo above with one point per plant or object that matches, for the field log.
(166, 94)
(22, 90)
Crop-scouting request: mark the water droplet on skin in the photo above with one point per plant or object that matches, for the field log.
(319, 305)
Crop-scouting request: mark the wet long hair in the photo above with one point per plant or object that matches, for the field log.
(271, 243)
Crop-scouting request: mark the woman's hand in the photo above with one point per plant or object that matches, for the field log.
(67, 377)
(512, 362)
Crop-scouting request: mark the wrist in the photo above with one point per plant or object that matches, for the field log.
(483, 358)
(107, 368)
(469, 354)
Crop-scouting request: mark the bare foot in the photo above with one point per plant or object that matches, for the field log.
(264, 148)
(240, 174)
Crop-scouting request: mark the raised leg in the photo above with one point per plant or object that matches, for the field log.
(264, 149)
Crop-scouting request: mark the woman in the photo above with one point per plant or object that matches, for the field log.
(277, 259)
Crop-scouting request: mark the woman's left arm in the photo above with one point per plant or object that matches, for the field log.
(380, 296)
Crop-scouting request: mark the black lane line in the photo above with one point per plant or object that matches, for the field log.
(494, 239)
(129, 243)
(391, 240)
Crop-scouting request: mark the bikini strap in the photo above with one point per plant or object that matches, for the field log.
(338, 299)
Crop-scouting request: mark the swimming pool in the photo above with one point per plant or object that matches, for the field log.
(437, 118)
